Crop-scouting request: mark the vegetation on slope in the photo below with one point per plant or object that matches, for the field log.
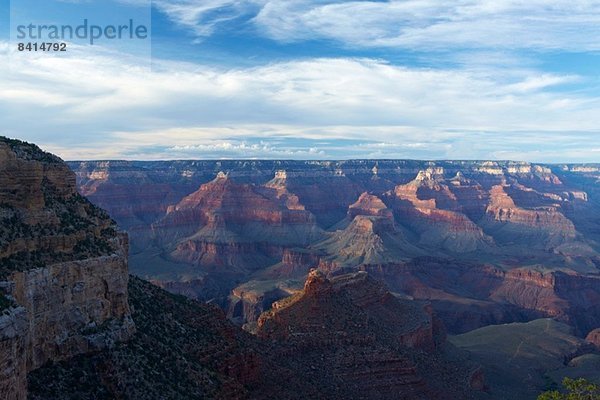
(177, 353)
(43, 219)
(576, 389)
(522, 359)
(5, 303)
(29, 151)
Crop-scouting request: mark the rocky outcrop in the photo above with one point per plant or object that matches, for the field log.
(26, 171)
(430, 208)
(594, 338)
(471, 197)
(63, 268)
(368, 235)
(225, 224)
(73, 307)
(468, 296)
(366, 335)
(354, 296)
(13, 353)
(508, 223)
(248, 301)
(369, 205)
(367, 240)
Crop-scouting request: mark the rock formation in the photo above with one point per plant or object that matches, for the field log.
(519, 235)
(63, 268)
(542, 226)
(431, 209)
(228, 224)
(231, 230)
(368, 235)
(594, 337)
(248, 301)
(362, 339)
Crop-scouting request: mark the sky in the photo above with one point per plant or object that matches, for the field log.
(311, 79)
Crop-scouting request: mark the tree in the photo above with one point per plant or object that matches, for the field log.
(577, 389)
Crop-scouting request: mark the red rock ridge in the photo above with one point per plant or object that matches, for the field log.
(594, 338)
(510, 222)
(367, 335)
(467, 297)
(416, 205)
(236, 225)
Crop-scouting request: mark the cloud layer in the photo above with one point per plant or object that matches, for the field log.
(100, 106)
(421, 25)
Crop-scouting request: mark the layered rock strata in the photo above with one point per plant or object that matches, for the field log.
(63, 268)
(368, 336)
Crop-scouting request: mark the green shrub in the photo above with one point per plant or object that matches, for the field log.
(576, 389)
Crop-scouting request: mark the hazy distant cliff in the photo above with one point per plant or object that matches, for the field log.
(231, 230)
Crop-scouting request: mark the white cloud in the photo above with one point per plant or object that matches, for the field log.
(202, 17)
(101, 106)
(434, 25)
(424, 25)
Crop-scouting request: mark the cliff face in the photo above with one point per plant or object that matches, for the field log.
(363, 339)
(431, 209)
(512, 224)
(249, 300)
(13, 349)
(182, 350)
(467, 296)
(228, 224)
(73, 307)
(63, 268)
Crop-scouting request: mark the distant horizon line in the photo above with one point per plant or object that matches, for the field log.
(457, 160)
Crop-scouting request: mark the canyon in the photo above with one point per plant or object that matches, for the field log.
(74, 324)
(486, 242)
(358, 279)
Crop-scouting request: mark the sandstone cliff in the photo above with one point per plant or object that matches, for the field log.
(469, 296)
(430, 208)
(368, 235)
(364, 340)
(63, 268)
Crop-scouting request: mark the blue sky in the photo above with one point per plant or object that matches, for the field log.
(316, 79)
